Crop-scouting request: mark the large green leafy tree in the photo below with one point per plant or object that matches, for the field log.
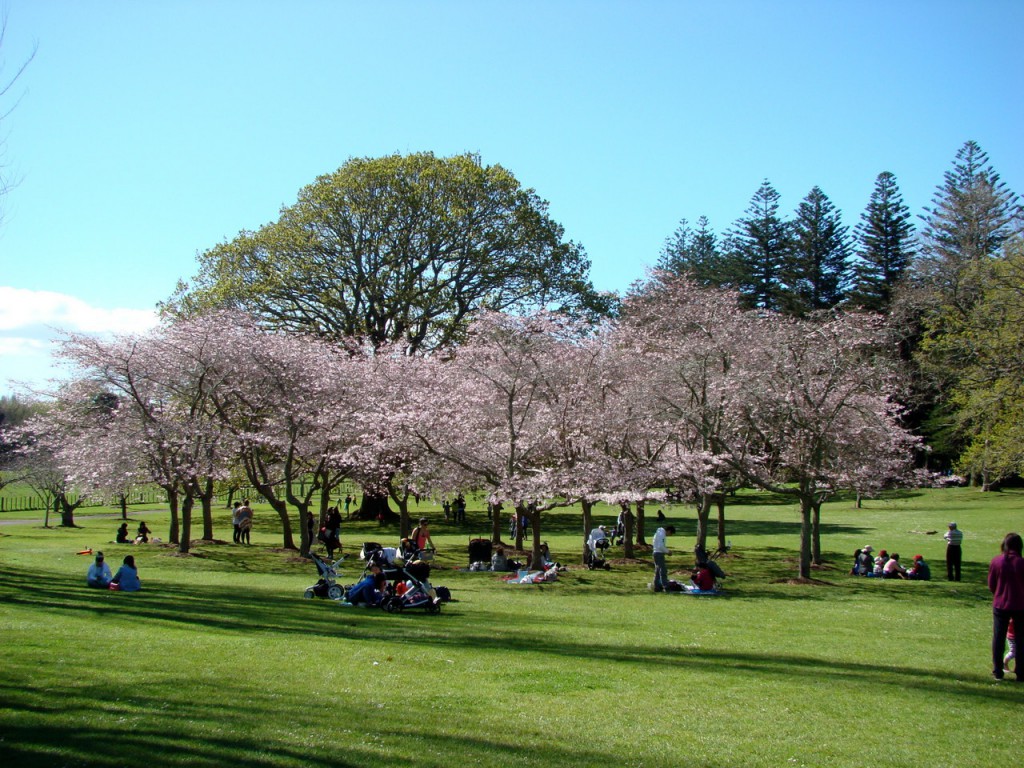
(399, 249)
(884, 246)
(972, 218)
(983, 351)
(816, 270)
(757, 248)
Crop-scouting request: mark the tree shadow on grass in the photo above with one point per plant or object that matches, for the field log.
(188, 722)
(255, 612)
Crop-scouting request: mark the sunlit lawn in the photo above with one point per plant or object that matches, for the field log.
(219, 661)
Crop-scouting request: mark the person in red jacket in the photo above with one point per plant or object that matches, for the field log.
(1006, 582)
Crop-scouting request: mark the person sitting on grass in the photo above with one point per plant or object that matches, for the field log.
(893, 569)
(920, 570)
(127, 577)
(122, 535)
(498, 560)
(98, 575)
(880, 561)
(703, 579)
(862, 561)
(368, 591)
(142, 535)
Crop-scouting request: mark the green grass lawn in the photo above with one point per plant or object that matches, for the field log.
(219, 660)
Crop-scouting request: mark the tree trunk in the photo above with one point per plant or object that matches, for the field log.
(816, 532)
(627, 543)
(124, 507)
(67, 511)
(723, 544)
(376, 504)
(495, 522)
(186, 523)
(519, 527)
(405, 525)
(703, 513)
(206, 500)
(535, 556)
(640, 540)
(588, 523)
(172, 503)
(805, 537)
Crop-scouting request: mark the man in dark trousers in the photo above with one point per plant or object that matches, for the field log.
(954, 554)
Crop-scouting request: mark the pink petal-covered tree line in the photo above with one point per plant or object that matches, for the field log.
(683, 390)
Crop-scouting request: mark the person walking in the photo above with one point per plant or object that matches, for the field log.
(660, 551)
(1006, 583)
(954, 553)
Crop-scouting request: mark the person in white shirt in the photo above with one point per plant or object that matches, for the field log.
(954, 553)
(99, 575)
(660, 551)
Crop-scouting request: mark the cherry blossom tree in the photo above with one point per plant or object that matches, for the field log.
(819, 413)
(158, 388)
(288, 405)
(690, 339)
(489, 412)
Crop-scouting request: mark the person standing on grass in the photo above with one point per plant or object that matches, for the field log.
(1006, 582)
(954, 554)
(235, 520)
(660, 551)
(420, 536)
(244, 522)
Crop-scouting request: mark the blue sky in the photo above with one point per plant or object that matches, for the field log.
(147, 131)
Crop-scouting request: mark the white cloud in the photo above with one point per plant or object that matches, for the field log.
(30, 321)
(23, 308)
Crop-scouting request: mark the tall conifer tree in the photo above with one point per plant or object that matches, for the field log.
(884, 246)
(817, 269)
(693, 252)
(972, 214)
(758, 247)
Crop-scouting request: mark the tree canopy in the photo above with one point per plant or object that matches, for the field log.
(400, 249)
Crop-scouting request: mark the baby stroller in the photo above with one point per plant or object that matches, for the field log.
(373, 553)
(703, 559)
(327, 586)
(411, 589)
(480, 551)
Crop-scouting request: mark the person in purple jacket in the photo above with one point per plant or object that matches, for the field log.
(1006, 582)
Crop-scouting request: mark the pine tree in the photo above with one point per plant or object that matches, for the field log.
(693, 252)
(884, 247)
(757, 248)
(973, 213)
(817, 269)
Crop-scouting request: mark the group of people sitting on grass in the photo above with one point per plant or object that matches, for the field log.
(501, 562)
(125, 580)
(886, 566)
(141, 536)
